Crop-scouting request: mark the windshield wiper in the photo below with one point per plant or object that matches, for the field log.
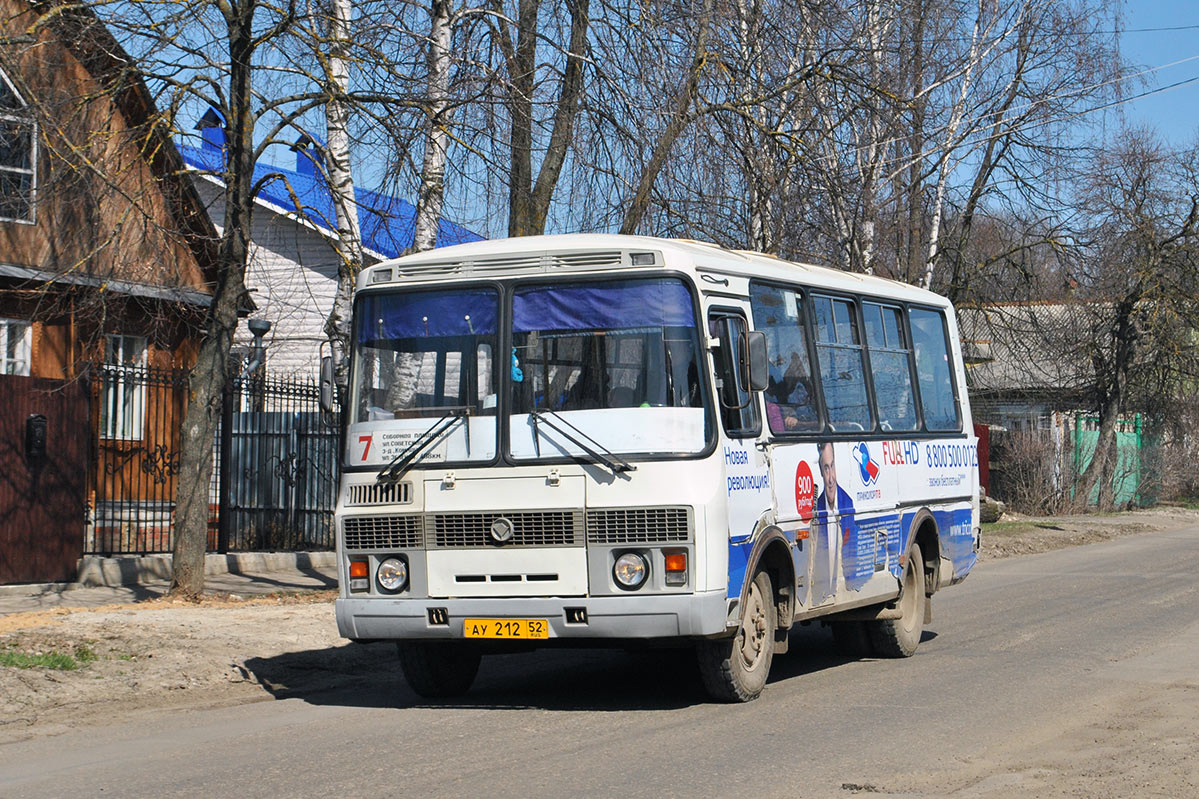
(598, 452)
(402, 462)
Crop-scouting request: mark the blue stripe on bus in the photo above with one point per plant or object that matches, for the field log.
(861, 555)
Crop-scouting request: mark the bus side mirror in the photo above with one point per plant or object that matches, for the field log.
(326, 384)
(759, 370)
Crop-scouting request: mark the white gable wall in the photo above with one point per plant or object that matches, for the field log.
(292, 276)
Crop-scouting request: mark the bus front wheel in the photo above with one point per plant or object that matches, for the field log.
(898, 638)
(439, 669)
(735, 669)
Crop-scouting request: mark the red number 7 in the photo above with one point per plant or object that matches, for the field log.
(367, 449)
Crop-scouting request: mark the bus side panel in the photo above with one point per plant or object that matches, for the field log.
(747, 480)
(956, 528)
(955, 532)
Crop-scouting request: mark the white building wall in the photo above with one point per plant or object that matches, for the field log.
(292, 277)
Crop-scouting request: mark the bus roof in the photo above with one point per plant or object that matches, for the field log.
(591, 252)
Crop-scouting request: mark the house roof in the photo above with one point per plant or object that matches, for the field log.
(78, 28)
(1029, 348)
(387, 222)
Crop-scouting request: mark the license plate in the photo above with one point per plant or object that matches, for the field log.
(506, 628)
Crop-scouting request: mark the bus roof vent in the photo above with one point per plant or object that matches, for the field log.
(442, 268)
(586, 260)
(519, 263)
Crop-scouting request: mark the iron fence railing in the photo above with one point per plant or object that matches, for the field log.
(274, 475)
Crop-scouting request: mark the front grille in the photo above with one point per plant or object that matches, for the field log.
(383, 532)
(380, 494)
(638, 525)
(554, 528)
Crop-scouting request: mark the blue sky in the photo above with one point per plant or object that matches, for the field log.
(1173, 113)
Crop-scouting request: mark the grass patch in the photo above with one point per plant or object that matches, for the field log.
(1006, 527)
(58, 661)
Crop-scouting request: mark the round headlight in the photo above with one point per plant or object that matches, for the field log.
(630, 570)
(392, 574)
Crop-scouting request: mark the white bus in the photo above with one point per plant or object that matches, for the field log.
(559, 439)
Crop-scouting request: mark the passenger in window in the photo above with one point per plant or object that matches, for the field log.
(789, 397)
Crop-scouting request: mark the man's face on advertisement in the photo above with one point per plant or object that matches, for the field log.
(828, 469)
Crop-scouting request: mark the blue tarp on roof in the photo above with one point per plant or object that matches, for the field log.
(387, 222)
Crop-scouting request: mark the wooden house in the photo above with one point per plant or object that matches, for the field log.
(106, 259)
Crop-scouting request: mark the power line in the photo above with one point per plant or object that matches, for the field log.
(1154, 30)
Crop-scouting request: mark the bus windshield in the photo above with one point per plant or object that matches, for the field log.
(422, 357)
(618, 361)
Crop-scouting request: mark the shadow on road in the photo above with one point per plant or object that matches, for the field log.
(368, 675)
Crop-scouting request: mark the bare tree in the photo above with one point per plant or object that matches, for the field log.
(1118, 336)
(253, 62)
(432, 180)
(1142, 203)
(529, 198)
(348, 243)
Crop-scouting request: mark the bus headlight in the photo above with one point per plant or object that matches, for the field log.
(392, 574)
(630, 571)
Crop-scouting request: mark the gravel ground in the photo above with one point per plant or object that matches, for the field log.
(164, 654)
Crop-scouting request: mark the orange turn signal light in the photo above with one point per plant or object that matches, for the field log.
(358, 568)
(676, 562)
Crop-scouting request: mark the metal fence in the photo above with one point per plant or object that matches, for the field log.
(274, 475)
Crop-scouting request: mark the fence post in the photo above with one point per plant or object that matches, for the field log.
(225, 493)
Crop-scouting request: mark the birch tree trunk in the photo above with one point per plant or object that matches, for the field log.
(947, 159)
(348, 243)
(432, 179)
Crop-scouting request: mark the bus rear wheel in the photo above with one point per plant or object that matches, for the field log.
(439, 669)
(898, 638)
(735, 669)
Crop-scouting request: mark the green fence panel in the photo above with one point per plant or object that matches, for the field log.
(1127, 477)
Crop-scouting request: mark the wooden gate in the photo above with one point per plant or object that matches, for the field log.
(43, 500)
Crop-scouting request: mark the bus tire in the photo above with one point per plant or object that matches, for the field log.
(735, 669)
(439, 669)
(851, 638)
(898, 638)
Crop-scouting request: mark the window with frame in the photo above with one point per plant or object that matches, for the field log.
(16, 346)
(790, 394)
(738, 411)
(842, 369)
(933, 372)
(123, 395)
(18, 155)
(890, 366)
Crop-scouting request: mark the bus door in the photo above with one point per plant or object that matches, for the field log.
(746, 470)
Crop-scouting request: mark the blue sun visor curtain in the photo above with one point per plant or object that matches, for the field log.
(617, 305)
(426, 314)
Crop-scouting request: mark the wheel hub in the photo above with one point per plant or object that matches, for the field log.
(753, 630)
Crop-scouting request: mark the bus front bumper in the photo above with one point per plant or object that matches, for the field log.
(661, 616)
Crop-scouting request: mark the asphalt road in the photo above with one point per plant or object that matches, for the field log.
(1026, 651)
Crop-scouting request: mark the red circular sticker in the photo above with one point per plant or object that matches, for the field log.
(804, 490)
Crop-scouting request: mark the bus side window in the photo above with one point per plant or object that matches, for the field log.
(842, 372)
(933, 373)
(890, 366)
(738, 411)
(790, 394)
